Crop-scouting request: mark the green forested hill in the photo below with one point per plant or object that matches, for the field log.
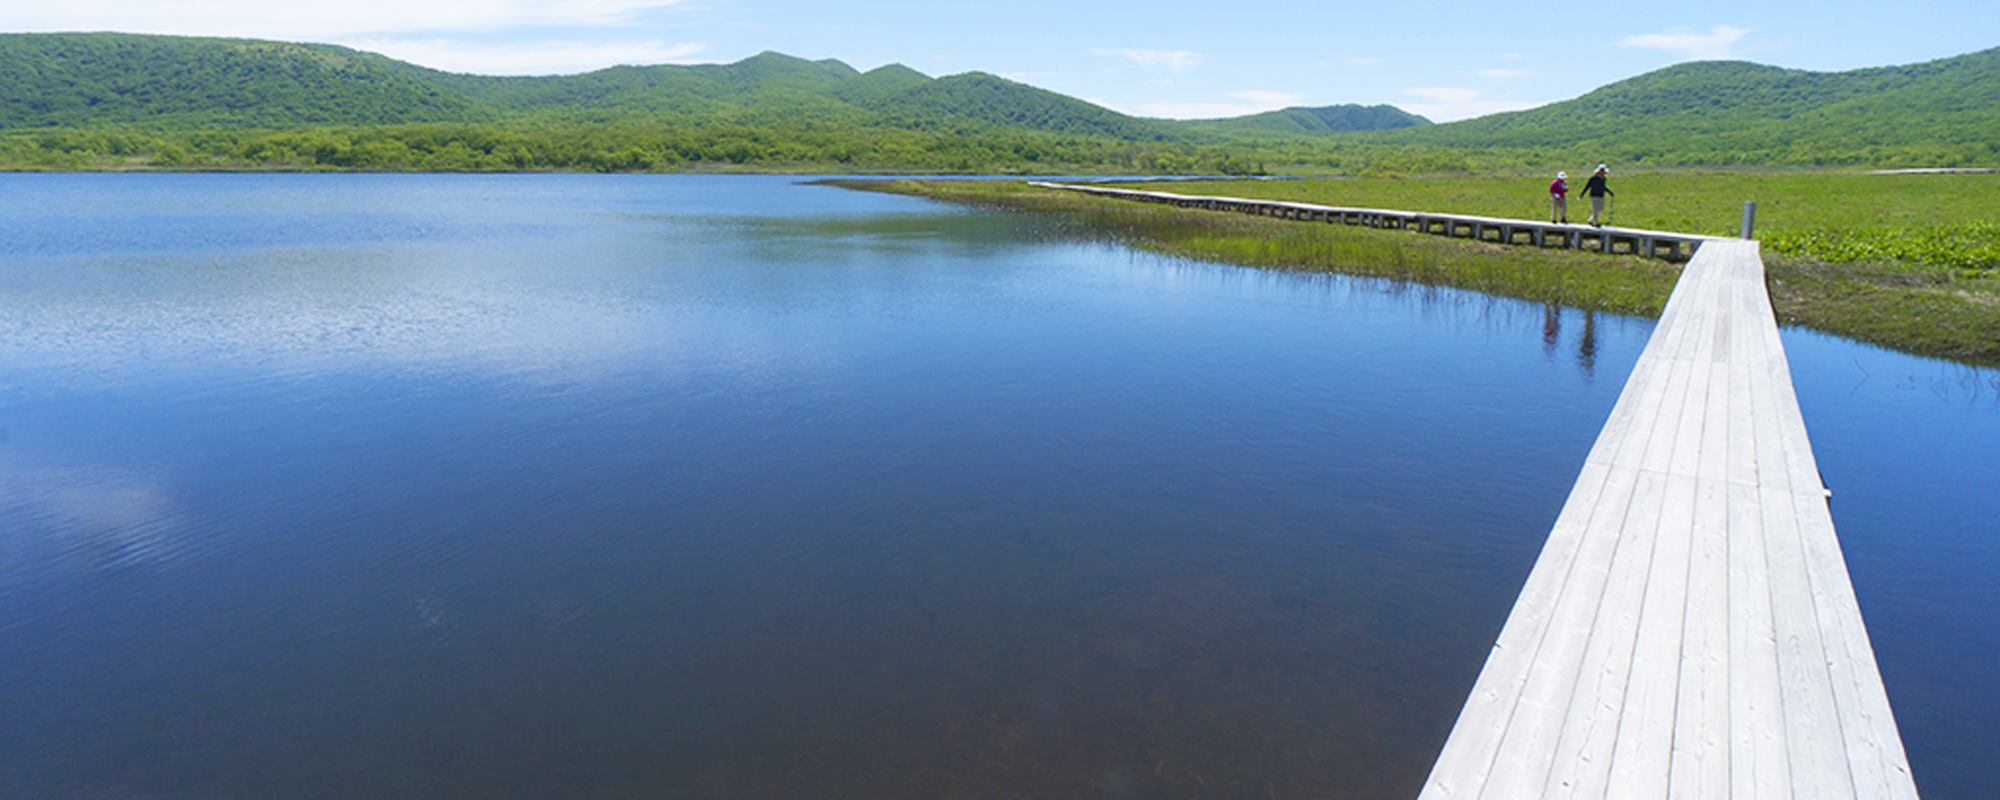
(71, 101)
(764, 80)
(879, 84)
(85, 80)
(1732, 112)
(110, 78)
(109, 100)
(1325, 119)
(990, 99)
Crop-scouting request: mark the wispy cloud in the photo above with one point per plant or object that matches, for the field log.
(1718, 42)
(321, 21)
(1361, 61)
(1171, 60)
(1500, 73)
(1448, 103)
(527, 58)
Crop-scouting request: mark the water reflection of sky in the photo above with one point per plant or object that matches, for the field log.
(687, 475)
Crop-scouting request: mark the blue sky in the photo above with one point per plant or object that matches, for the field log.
(1448, 60)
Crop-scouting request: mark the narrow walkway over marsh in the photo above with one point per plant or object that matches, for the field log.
(1689, 629)
(1661, 244)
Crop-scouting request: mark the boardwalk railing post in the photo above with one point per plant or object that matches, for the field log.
(1749, 219)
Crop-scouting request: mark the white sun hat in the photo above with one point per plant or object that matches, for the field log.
(1602, 168)
(1562, 176)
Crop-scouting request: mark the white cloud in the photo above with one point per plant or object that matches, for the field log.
(1172, 60)
(321, 21)
(1714, 44)
(527, 58)
(1449, 103)
(1501, 73)
(1361, 61)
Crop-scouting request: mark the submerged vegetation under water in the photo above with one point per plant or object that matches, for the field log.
(1841, 257)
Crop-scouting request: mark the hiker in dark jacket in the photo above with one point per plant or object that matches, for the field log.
(1597, 190)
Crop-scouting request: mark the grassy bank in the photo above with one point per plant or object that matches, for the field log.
(1914, 220)
(1618, 284)
(1944, 306)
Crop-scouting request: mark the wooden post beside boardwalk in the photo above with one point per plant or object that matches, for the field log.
(1689, 630)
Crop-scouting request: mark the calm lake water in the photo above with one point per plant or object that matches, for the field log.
(533, 486)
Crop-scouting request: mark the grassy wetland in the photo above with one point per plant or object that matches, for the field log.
(1910, 262)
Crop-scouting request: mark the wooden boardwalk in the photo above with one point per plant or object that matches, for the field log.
(1689, 629)
(1660, 244)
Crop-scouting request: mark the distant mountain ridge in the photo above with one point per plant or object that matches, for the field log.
(51, 80)
(155, 92)
(1740, 112)
(82, 80)
(1322, 119)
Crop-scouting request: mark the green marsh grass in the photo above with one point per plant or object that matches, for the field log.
(1904, 261)
(1928, 220)
(1617, 284)
(1895, 260)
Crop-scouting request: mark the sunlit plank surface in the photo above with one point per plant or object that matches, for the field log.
(1690, 629)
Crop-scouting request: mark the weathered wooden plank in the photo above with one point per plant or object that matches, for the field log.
(1675, 358)
(1759, 765)
(1771, 469)
(1701, 721)
(1742, 449)
(1645, 390)
(1641, 758)
(1527, 748)
(1812, 735)
(1873, 745)
(1582, 623)
(1468, 754)
(1690, 629)
(1712, 460)
(1696, 408)
(1701, 739)
(1582, 758)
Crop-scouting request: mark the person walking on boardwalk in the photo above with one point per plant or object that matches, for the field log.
(1597, 190)
(1559, 198)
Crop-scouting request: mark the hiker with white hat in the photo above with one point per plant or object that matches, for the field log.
(1559, 198)
(1596, 189)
